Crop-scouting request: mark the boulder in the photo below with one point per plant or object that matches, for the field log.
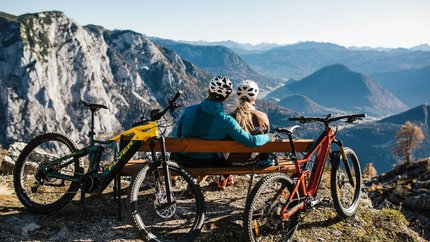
(8, 163)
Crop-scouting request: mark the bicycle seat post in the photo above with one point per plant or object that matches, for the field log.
(91, 133)
(93, 108)
(293, 150)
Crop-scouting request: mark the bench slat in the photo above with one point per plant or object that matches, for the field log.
(210, 146)
(134, 166)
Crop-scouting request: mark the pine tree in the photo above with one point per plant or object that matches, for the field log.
(409, 138)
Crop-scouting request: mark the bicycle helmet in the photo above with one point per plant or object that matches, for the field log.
(221, 86)
(248, 90)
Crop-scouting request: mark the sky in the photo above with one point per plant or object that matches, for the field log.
(374, 23)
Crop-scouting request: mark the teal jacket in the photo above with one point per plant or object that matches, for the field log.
(207, 120)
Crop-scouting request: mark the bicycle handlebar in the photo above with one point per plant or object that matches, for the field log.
(328, 119)
(171, 107)
(156, 114)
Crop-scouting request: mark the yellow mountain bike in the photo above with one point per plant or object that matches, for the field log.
(50, 171)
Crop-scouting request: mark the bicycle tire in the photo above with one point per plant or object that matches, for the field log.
(276, 229)
(185, 217)
(53, 193)
(340, 185)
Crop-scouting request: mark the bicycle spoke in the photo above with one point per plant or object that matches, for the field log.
(164, 220)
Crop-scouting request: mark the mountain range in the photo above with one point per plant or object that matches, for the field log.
(337, 87)
(220, 60)
(410, 86)
(299, 60)
(235, 46)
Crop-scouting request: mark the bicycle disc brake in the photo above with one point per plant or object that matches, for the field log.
(162, 206)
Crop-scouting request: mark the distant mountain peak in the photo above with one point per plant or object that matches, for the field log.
(422, 47)
(337, 68)
(336, 86)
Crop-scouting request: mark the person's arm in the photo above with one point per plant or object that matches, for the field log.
(266, 123)
(237, 133)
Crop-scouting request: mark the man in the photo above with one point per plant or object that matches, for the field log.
(208, 120)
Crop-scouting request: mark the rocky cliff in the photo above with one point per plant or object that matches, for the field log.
(49, 62)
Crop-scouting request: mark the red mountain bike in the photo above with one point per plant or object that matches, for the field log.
(273, 207)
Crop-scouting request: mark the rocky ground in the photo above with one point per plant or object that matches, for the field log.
(405, 188)
(98, 221)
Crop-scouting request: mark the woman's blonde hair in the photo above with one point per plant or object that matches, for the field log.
(243, 115)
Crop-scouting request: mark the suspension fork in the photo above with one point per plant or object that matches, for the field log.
(166, 171)
(345, 161)
(165, 166)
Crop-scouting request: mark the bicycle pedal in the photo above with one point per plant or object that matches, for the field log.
(315, 202)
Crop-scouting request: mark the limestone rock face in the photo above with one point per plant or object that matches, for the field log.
(49, 63)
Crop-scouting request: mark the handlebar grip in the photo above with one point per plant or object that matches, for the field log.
(178, 93)
(301, 119)
(360, 115)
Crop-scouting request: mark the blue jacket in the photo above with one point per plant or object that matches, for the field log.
(207, 120)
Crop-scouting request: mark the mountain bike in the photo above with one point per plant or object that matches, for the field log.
(273, 207)
(49, 172)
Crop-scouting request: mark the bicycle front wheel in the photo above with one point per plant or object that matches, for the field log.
(262, 217)
(345, 183)
(154, 216)
(37, 190)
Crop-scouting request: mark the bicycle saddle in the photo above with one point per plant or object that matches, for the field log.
(288, 130)
(93, 107)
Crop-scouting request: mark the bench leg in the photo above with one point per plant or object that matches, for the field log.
(117, 189)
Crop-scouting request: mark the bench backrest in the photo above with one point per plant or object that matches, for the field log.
(203, 146)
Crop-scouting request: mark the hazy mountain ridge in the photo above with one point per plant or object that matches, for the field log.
(338, 87)
(306, 106)
(410, 86)
(219, 60)
(236, 46)
(300, 60)
(50, 62)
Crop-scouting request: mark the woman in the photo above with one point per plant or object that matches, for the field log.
(253, 122)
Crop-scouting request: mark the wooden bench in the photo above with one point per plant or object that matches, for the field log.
(211, 146)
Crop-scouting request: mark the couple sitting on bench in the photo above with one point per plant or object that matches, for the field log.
(208, 120)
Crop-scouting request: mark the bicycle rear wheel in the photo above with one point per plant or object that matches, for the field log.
(35, 189)
(345, 183)
(157, 219)
(262, 217)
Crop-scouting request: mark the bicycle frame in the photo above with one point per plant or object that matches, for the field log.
(138, 135)
(322, 149)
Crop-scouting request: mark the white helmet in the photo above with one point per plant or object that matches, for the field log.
(247, 89)
(221, 85)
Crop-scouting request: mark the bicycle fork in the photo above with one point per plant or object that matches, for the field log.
(165, 169)
(345, 161)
